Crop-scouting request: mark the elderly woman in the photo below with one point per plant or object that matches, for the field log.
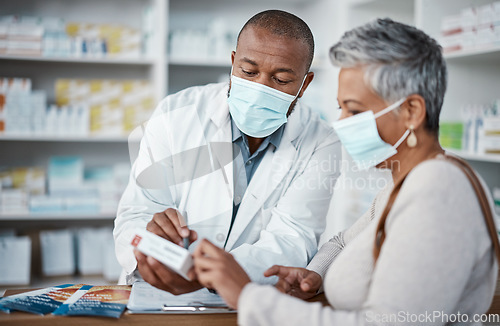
(423, 253)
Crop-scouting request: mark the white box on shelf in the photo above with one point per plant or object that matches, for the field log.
(485, 15)
(14, 201)
(451, 24)
(65, 172)
(469, 18)
(89, 251)
(111, 267)
(496, 10)
(46, 204)
(15, 255)
(58, 252)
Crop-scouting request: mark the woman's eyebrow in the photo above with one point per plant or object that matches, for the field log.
(351, 101)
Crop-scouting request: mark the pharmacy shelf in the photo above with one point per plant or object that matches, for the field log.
(485, 54)
(118, 61)
(203, 62)
(54, 138)
(493, 158)
(400, 4)
(64, 216)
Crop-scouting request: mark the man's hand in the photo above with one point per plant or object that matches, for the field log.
(160, 276)
(170, 225)
(217, 269)
(298, 282)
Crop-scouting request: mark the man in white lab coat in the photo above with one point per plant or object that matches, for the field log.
(245, 165)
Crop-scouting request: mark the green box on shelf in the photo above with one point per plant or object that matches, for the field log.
(450, 142)
(451, 129)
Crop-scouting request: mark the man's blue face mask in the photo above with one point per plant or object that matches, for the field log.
(360, 137)
(258, 110)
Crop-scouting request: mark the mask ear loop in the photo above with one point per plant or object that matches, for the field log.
(402, 139)
(389, 108)
(301, 85)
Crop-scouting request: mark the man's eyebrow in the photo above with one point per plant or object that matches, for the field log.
(253, 63)
(289, 70)
(245, 59)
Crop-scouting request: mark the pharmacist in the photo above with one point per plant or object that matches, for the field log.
(246, 165)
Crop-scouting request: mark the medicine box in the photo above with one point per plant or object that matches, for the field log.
(15, 258)
(171, 255)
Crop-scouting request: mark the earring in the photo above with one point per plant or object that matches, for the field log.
(412, 139)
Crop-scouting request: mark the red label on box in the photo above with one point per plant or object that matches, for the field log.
(136, 240)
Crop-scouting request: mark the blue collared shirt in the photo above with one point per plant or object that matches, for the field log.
(250, 162)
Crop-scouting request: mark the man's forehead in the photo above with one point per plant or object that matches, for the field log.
(255, 41)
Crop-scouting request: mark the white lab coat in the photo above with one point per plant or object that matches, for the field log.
(282, 213)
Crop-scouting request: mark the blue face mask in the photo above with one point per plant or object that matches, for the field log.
(258, 110)
(360, 137)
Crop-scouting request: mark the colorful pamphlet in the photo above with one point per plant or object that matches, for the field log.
(40, 301)
(105, 301)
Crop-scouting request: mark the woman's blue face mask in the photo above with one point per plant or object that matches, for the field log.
(360, 137)
(258, 110)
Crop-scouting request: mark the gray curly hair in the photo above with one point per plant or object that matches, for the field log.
(400, 60)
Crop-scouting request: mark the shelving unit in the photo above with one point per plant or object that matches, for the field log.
(117, 61)
(37, 217)
(488, 158)
(46, 138)
(96, 151)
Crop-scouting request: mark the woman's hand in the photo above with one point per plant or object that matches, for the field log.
(217, 269)
(298, 282)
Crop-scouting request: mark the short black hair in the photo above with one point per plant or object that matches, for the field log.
(285, 24)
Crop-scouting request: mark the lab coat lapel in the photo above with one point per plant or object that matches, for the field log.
(220, 142)
(274, 167)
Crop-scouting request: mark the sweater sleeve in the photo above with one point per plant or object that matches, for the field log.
(333, 247)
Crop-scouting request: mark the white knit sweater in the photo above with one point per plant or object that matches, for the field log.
(437, 262)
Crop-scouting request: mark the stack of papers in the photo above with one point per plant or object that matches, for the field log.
(147, 299)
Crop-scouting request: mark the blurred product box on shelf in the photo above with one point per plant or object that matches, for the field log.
(58, 252)
(87, 251)
(22, 35)
(213, 42)
(54, 37)
(491, 139)
(90, 251)
(64, 173)
(451, 134)
(95, 253)
(478, 132)
(15, 255)
(115, 107)
(111, 267)
(471, 28)
(13, 201)
(71, 188)
(496, 198)
(83, 107)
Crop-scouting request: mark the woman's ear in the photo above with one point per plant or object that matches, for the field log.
(414, 111)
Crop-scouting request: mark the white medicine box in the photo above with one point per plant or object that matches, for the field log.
(15, 258)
